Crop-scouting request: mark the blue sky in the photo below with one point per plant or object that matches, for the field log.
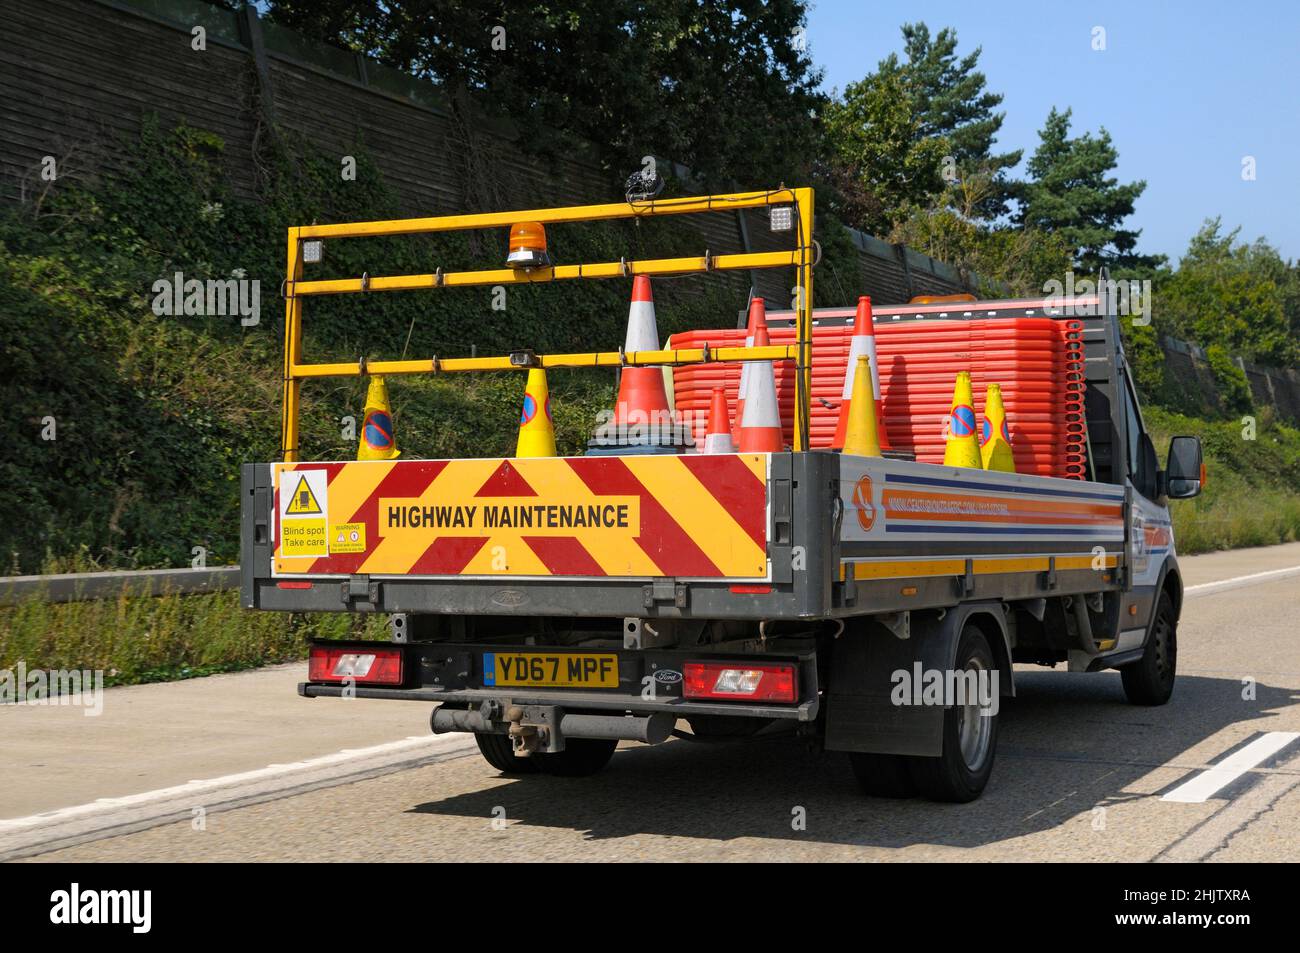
(1185, 90)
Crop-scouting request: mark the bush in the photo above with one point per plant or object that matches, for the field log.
(153, 415)
(1252, 491)
(1234, 389)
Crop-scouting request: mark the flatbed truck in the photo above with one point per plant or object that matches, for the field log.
(875, 606)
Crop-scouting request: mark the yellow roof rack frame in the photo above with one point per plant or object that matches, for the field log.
(297, 290)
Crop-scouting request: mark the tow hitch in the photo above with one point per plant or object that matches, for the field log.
(545, 727)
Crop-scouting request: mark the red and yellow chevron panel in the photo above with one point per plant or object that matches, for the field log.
(692, 516)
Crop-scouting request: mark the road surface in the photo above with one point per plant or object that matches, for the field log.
(238, 767)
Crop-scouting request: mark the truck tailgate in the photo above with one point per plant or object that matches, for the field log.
(687, 517)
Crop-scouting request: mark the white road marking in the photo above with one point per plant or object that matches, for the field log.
(1212, 779)
(1235, 582)
(411, 748)
(1214, 833)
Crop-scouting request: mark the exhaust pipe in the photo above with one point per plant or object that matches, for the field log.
(648, 729)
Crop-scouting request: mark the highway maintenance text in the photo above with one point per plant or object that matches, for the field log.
(510, 516)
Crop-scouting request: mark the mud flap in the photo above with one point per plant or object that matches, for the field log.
(861, 714)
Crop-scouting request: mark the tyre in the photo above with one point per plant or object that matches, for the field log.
(581, 757)
(498, 752)
(883, 775)
(970, 737)
(1150, 680)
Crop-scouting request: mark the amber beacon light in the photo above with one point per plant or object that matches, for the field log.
(527, 246)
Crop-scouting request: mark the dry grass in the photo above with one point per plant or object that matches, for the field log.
(145, 639)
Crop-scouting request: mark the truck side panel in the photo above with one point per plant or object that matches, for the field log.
(918, 535)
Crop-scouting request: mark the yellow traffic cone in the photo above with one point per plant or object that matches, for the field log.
(995, 440)
(377, 441)
(536, 432)
(962, 449)
(861, 437)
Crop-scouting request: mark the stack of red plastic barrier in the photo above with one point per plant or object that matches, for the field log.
(1037, 361)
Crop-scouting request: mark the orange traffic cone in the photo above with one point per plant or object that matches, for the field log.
(717, 438)
(536, 431)
(861, 344)
(760, 428)
(641, 397)
(995, 439)
(962, 449)
(757, 319)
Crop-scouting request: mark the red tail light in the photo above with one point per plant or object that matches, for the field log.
(377, 666)
(740, 681)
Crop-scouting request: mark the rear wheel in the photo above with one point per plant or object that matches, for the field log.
(970, 734)
(1150, 680)
(498, 752)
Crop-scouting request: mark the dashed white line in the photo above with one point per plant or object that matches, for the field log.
(1213, 779)
(1205, 588)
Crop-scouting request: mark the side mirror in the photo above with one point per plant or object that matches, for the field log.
(1185, 471)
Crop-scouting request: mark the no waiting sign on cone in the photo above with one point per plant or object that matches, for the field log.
(377, 440)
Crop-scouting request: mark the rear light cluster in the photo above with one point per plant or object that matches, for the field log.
(362, 666)
(740, 681)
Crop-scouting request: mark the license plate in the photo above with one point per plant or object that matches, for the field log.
(550, 670)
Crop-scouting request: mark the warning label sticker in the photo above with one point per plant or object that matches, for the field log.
(348, 538)
(304, 508)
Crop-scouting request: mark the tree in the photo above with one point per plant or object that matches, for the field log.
(881, 165)
(1010, 261)
(952, 102)
(711, 85)
(1071, 194)
(1231, 295)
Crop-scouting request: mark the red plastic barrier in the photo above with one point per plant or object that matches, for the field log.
(1037, 361)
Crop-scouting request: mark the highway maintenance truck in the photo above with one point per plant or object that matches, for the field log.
(868, 586)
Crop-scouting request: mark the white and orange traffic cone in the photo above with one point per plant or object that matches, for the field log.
(642, 399)
(760, 427)
(861, 344)
(717, 438)
(757, 319)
